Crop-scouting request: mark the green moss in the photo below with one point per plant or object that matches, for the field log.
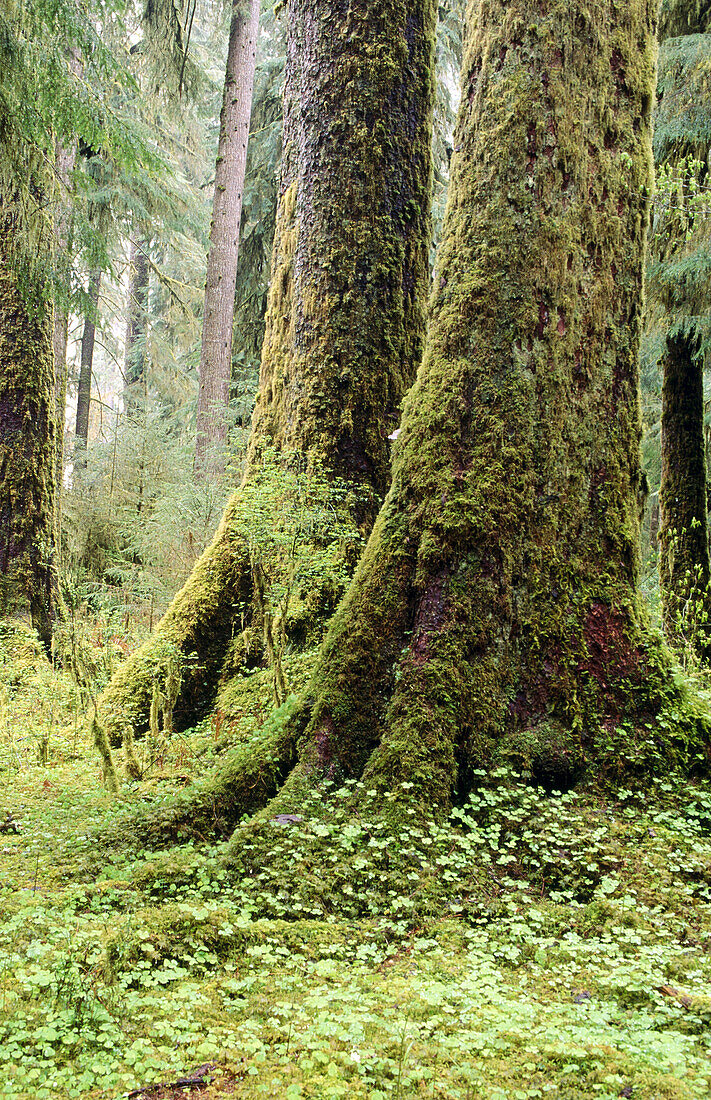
(247, 777)
(27, 430)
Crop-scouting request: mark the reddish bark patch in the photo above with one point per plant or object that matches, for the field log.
(543, 319)
(324, 738)
(429, 619)
(610, 655)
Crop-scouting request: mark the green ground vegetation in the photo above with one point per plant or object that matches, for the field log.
(534, 943)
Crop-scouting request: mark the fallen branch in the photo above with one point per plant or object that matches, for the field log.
(200, 1076)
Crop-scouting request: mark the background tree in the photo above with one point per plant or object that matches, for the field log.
(65, 157)
(86, 366)
(221, 278)
(346, 317)
(679, 308)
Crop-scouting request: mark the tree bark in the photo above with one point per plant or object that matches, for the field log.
(495, 615)
(221, 277)
(684, 550)
(27, 430)
(346, 314)
(86, 368)
(65, 157)
(683, 531)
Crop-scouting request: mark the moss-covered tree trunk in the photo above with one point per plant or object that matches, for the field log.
(27, 428)
(677, 17)
(683, 530)
(496, 608)
(683, 533)
(495, 614)
(346, 312)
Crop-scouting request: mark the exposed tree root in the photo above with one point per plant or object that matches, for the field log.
(246, 780)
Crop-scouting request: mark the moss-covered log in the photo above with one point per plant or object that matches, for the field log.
(346, 311)
(683, 533)
(27, 428)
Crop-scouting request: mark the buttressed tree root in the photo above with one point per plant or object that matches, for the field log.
(346, 313)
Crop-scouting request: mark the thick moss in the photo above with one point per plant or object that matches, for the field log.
(346, 310)
(346, 315)
(27, 429)
(495, 613)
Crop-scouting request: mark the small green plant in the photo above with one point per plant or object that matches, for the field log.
(297, 520)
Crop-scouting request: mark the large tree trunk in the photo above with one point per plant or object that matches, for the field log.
(86, 368)
(496, 607)
(221, 278)
(27, 431)
(495, 613)
(346, 313)
(683, 533)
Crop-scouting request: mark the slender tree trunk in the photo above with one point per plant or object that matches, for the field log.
(346, 314)
(137, 322)
(684, 556)
(65, 157)
(64, 164)
(27, 432)
(86, 368)
(216, 351)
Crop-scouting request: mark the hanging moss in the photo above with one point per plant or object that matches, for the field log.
(346, 311)
(27, 430)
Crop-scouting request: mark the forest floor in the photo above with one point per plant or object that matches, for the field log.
(536, 944)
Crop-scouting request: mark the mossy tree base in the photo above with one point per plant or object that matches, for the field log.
(346, 317)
